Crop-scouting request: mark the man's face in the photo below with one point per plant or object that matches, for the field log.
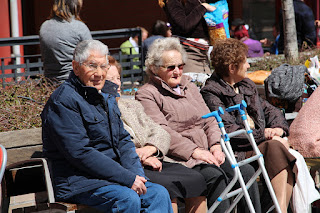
(93, 71)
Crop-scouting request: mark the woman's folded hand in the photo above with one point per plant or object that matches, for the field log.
(145, 152)
(271, 132)
(217, 152)
(154, 163)
(205, 156)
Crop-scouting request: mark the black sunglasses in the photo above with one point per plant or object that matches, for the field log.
(172, 67)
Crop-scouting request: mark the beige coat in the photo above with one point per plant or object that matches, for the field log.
(180, 115)
(304, 133)
(143, 130)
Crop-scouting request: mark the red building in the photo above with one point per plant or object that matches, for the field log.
(104, 15)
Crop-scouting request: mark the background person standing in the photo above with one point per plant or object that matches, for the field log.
(59, 36)
(187, 21)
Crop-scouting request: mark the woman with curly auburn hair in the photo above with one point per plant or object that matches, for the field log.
(228, 86)
(229, 53)
(59, 36)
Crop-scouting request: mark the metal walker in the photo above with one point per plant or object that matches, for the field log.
(226, 147)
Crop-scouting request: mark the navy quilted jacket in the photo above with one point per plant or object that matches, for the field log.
(85, 142)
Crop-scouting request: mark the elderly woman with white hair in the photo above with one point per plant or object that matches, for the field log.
(152, 144)
(174, 102)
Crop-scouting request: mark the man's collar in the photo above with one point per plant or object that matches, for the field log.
(110, 88)
(91, 94)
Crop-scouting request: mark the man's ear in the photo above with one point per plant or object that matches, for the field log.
(75, 66)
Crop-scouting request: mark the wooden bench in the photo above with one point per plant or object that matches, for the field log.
(26, 186)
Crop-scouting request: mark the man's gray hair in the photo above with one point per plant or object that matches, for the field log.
(84, 48)
(155, 52)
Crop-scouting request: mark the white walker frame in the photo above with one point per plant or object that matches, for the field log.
(226, 147)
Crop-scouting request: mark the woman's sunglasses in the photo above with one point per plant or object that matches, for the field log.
(173, 67)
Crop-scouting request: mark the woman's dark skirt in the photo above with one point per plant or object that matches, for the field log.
(180, 181)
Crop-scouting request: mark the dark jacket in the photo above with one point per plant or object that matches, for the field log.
(306, 30)
(217, 93)
(187, 19)
(85, 142)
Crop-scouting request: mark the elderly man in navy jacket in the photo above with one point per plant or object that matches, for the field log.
(93, 160)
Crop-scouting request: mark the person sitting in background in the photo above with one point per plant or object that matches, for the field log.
(254, 47)
(272, 45)
(238, 22)
(160, 29)
(131, 46)
(188, 23)
(93, 160)
(152, 144)
(227, 87)
(174, 102)
(59, 36)
(317, 23)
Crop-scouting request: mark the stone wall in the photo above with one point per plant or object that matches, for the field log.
(22, 144)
